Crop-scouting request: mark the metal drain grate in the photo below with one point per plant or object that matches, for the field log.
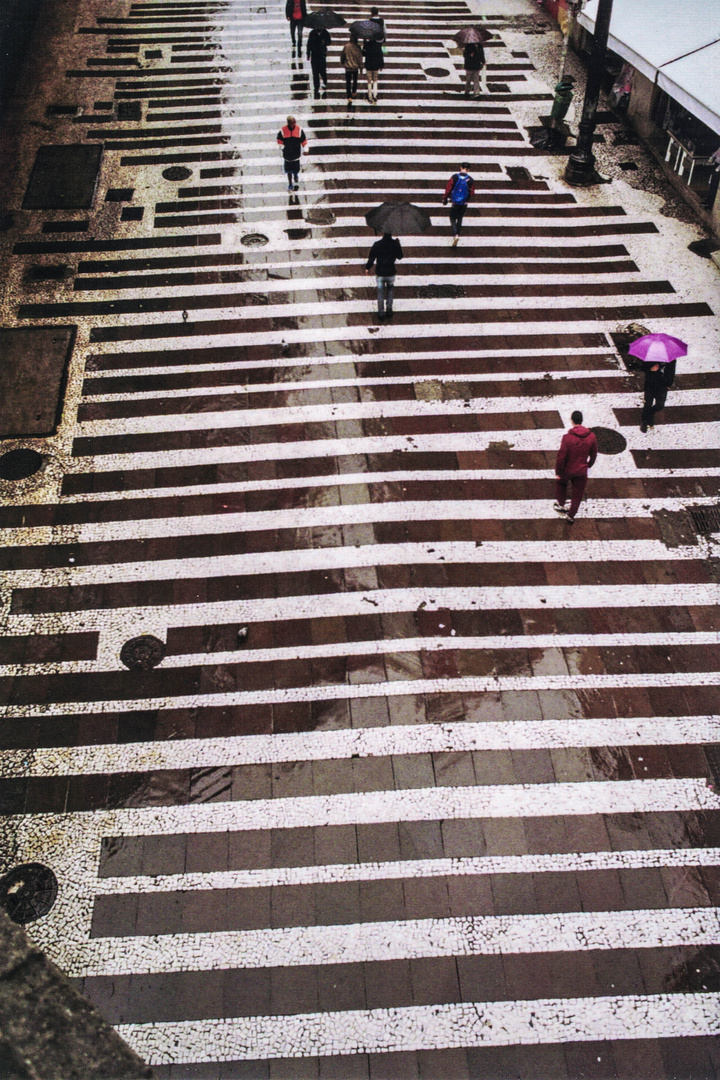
(177, 172)
(320, 216)
(19, 464)
(28, 892)
(609, 441)
(254, 239)
(705, 519)
(441, 292)
(142, 653)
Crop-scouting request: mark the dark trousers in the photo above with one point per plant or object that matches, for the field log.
(653, 402)
(578, 484)
(457, 210)
(296, 27)
(351, 78)
(319, 71)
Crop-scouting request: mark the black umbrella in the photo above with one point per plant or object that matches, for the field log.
(327, 19)
(399, 218)
(472, 35)
(368, 29)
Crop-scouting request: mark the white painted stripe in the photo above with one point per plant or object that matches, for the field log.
(667, 437)
(121, 622)
(345, 692)
(448, 553)
(108, 660)
(347, 514)
(605, 468)
(428, 1027)
(403, 870)
(407, 939)
(360, 743)
(356, 808)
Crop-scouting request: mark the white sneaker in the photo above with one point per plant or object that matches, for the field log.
(559, 509)
(455, 241)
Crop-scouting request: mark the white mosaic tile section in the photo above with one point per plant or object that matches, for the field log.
(415, 868)
(361, 742)
(408, 939)
(430, 1027)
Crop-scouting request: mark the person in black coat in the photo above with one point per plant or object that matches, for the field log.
(658, 380)
(374, 62)
(317, 47)
(295, 12)
(385, 252)
(473, 62)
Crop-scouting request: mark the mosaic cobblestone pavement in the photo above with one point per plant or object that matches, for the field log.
(423, 784)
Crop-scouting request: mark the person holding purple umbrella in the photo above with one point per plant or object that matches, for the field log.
(659, 353)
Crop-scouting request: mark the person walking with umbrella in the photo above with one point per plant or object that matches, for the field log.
(351, 59)
(577, 453)
(659, 353)
(291, 140)
(473, 62)
(295, 12)
(317, 47)
(459, 191)
(385, 253)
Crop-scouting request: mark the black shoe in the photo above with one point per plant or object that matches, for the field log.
(389, 313)
(643, 428)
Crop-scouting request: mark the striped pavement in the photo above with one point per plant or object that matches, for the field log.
(425, 782)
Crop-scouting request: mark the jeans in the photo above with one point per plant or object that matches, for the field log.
(578, 484)
(319, 71)
(351, 78)
(653, 402)
(472, 82)
(457, 211)
(296, 27)
(385, 287)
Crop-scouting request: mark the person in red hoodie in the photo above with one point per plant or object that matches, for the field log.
(576, 455)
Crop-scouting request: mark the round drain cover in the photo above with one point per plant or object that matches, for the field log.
(28, 892)
(19, 464)
(437, 73)
(609, 441)
(320, 216)
(177, 172)
(254, 239)
(142, 653)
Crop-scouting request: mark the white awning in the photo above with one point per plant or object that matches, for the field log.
(674, 43)
(694, 81)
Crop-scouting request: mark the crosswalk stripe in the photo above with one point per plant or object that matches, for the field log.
(426, 1027)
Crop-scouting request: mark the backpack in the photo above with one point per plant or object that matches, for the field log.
(461, 188)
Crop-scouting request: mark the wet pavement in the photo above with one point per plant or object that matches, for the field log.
(350, 757)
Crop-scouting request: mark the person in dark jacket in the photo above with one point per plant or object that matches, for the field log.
(576, 455)
(473, 62)
(459, 191)
(295, 12)
(317, 47)
(658, 380)
(374, 62)
(385, 252)
(291, 139)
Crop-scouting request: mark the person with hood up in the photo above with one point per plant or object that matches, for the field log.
(317, 47)
(577, 453)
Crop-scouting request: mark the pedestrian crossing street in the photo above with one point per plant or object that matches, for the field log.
(425, 782)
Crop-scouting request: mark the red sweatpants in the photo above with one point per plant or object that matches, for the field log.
(578, 489)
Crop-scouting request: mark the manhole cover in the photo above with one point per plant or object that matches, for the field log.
(254, 239)
(706, 519)
(177, 172)
(439, 292)
(320, 217)
(142, 653)
(28, 892)
(19, 464)
(609, 441)
(437, 73)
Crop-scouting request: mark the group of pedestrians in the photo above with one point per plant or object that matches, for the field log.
(353, 58)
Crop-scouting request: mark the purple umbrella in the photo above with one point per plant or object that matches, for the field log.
(472, 35)
(658, 348)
